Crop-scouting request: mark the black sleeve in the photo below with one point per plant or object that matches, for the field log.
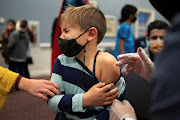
(166, 77)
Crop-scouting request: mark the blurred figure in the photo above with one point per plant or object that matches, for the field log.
(125, 38)
(29, 59)
(142, 42)
(155, 34)
(17, 49)
(4, 38)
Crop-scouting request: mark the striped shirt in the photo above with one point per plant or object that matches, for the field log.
(67, 73)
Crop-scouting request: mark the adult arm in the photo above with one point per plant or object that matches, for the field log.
(32, 86)
(39, 87)
(7, 79)
(136, 62)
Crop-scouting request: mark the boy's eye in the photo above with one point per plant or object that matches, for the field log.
(66, 31)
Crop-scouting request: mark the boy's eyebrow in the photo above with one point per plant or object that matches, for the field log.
(63, 29)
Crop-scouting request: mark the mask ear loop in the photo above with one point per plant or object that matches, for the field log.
(84, 32)
(84, 60)
(83, 69)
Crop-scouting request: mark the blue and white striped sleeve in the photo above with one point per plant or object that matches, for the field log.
(104, 115)
(64, 102)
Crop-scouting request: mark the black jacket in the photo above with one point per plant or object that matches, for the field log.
(166, 77)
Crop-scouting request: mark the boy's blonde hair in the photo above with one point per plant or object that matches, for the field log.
(85, 17)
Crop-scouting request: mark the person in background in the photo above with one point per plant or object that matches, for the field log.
(9, 80)
(4, 38)
(155, 34)
(29, 59)
(125, 38)
(17, 49)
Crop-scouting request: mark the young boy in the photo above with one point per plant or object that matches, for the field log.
(82, 66)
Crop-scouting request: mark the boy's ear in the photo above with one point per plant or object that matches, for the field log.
(92, 34)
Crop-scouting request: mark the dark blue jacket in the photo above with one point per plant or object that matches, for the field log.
(166, 77)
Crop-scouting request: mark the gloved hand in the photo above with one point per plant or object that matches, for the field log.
(136, 62)
(122, 110)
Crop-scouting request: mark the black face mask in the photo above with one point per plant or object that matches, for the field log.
(134, 19)
(70, 47)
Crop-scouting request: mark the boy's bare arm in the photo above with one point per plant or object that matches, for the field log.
(109, 71)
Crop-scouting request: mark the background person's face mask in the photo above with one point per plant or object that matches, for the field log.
(156, 46)
(134, 19)
(70, 47)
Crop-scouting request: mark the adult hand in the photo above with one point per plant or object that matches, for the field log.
(136, 62)
(122, 110)
(98, 95)
(38, 87)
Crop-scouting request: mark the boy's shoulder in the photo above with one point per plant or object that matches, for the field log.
(106, 57)
(107, 65)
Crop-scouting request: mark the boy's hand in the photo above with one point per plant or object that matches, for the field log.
(98, 95)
